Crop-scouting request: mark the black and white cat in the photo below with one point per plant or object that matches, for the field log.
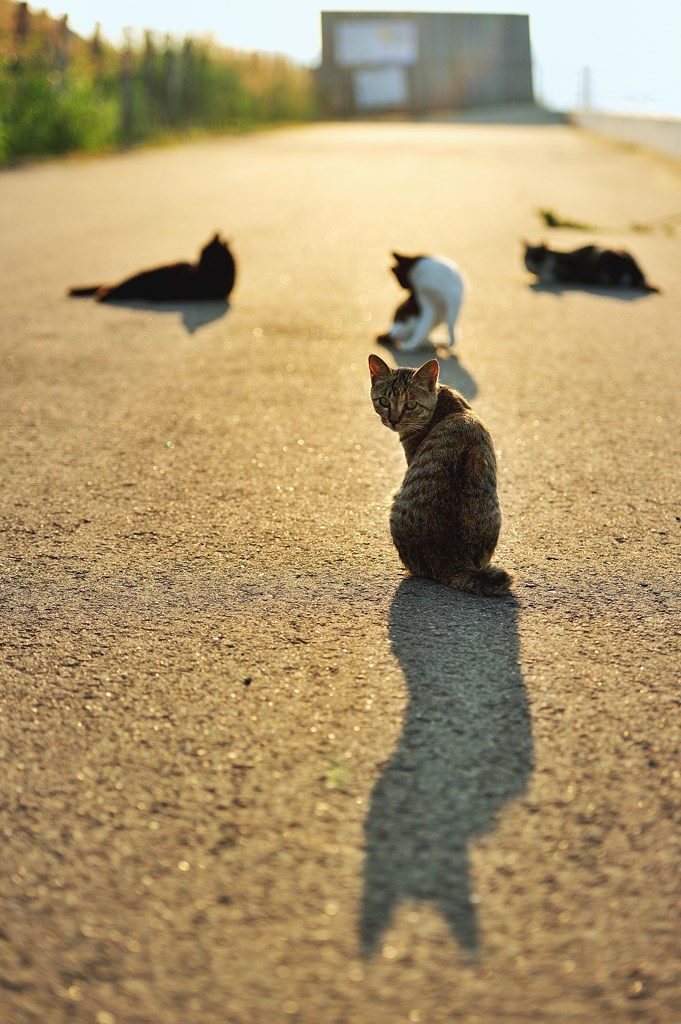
(436, 290)
(589, 265)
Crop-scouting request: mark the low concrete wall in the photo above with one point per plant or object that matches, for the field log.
(659, 133)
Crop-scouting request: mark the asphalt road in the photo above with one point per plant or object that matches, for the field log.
(250, 774)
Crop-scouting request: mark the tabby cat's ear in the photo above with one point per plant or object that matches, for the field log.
(378, 369)
(428, 374)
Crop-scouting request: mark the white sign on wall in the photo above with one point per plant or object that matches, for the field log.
(376, 41)
(380, 88)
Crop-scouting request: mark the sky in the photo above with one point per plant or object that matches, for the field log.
(632, 47)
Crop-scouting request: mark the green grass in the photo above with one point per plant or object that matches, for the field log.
(145, 96)
(36, 117)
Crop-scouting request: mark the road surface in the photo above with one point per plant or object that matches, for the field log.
(251, 774)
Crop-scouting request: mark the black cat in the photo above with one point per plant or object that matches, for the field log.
(211, 278)
(588, 265)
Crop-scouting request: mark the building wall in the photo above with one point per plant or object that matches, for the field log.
(460, 60)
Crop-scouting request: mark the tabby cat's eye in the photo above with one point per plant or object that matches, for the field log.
(384, 402)
(411, 405)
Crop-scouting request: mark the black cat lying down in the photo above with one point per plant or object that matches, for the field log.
(588, 265)
(211, 278)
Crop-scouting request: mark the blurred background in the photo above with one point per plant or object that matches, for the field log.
(95, 76)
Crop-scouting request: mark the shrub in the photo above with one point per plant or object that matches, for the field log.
(94, 97)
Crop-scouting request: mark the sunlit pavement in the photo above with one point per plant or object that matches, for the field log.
(250, 775)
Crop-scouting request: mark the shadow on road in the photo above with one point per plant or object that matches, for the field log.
(195, 315)
(623, 294)
(465, 751)
(452, 373)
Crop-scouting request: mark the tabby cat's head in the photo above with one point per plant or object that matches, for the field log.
(404, 398)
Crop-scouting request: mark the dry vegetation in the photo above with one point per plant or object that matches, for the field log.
(60, 92)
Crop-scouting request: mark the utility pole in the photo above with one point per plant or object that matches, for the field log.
(586, 88)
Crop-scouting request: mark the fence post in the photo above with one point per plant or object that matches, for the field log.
(63, 47)
(97, 51)
(22, 23)
(149, 79)
(170, 75)
(127, 89)
(187, 80)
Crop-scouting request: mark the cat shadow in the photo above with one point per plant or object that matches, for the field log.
(452, 372)
(465, 752)
(195, 313)
(558, 288)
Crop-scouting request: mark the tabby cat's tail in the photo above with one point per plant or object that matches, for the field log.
(88, 290)
(492, 581)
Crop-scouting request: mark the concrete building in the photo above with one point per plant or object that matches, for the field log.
(420, 62)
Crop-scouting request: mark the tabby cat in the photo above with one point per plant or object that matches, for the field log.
(212, 277)
(445, 518)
